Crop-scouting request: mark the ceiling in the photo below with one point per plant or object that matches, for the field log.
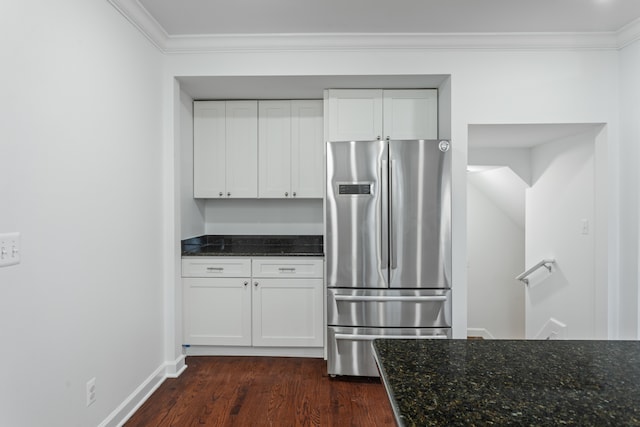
(223, 17)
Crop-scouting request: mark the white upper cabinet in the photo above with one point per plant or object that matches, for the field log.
(307, 149)
(225, 154)
(274, 136)
(290, 149)
(369, 114)
(410, 114)
(355, 114)
(209, 148)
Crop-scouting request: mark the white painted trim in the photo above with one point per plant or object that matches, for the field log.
(480, 332)
(176, 368)
(628, 34)
(205, 350)
(395, 41)
(135, 13)
(134, 401)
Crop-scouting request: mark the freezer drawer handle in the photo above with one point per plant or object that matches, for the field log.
(357, 337)
(365, 298)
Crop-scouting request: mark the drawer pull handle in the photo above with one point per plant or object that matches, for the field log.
(353, 298)
(215, 268)
(287, 269)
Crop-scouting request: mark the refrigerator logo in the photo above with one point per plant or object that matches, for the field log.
(444, 146)
(354, 189)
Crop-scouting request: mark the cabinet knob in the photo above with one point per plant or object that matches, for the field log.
(228, 194)
(246, 283)
(255, 284)
(294, 194)
(286, 194)
(379, 138)
(220, 194)
(388, 137)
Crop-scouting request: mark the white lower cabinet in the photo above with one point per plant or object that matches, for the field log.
(278, 304)
(217, 311)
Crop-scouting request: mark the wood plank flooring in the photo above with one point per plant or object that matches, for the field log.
(264, 391)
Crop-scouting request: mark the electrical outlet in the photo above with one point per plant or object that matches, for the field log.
(9, 249)
(585, 226)
(91, 391)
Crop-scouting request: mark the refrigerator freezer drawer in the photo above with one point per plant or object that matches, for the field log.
(350, 350)
(389, 308)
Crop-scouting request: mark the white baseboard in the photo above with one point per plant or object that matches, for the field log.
(176, 368)
(140, 395)
(480, 332)
(206, 350)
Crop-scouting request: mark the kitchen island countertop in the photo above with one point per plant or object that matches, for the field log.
(511, 382)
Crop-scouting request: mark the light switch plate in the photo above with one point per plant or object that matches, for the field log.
(9, 249)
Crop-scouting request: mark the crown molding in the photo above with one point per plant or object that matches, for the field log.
(628, 34)
(135, 13)
(369, 41)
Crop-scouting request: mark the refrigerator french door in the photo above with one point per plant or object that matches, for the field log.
(387, 246)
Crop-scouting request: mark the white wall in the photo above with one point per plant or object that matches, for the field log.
(495, 257)
(264, 216)
(80, 160)
(629, 296)
(561, 198)
(485, 86)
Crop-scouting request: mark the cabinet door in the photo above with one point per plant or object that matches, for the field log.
(274, 142)
(217, 311)
(355, 114)
(242, 149)
(307, 150)
(410, 114)
(209, 153)
(288, 313)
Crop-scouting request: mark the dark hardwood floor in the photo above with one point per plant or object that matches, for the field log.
(264, 391)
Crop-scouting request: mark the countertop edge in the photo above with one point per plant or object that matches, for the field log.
(387, 388)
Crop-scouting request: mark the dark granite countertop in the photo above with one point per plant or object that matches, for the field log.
(502, 382)
(252, 245)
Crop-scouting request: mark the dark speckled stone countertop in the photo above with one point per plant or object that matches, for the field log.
(251, 245)
(518, 383)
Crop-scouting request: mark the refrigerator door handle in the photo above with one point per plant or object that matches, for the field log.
(384, 215)
(392, 225)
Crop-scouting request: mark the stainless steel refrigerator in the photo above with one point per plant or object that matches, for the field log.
(387, 247)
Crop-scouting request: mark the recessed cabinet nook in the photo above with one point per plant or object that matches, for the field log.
(261, 304)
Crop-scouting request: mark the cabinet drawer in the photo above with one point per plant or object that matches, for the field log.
(216, 267)
(278, 267)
